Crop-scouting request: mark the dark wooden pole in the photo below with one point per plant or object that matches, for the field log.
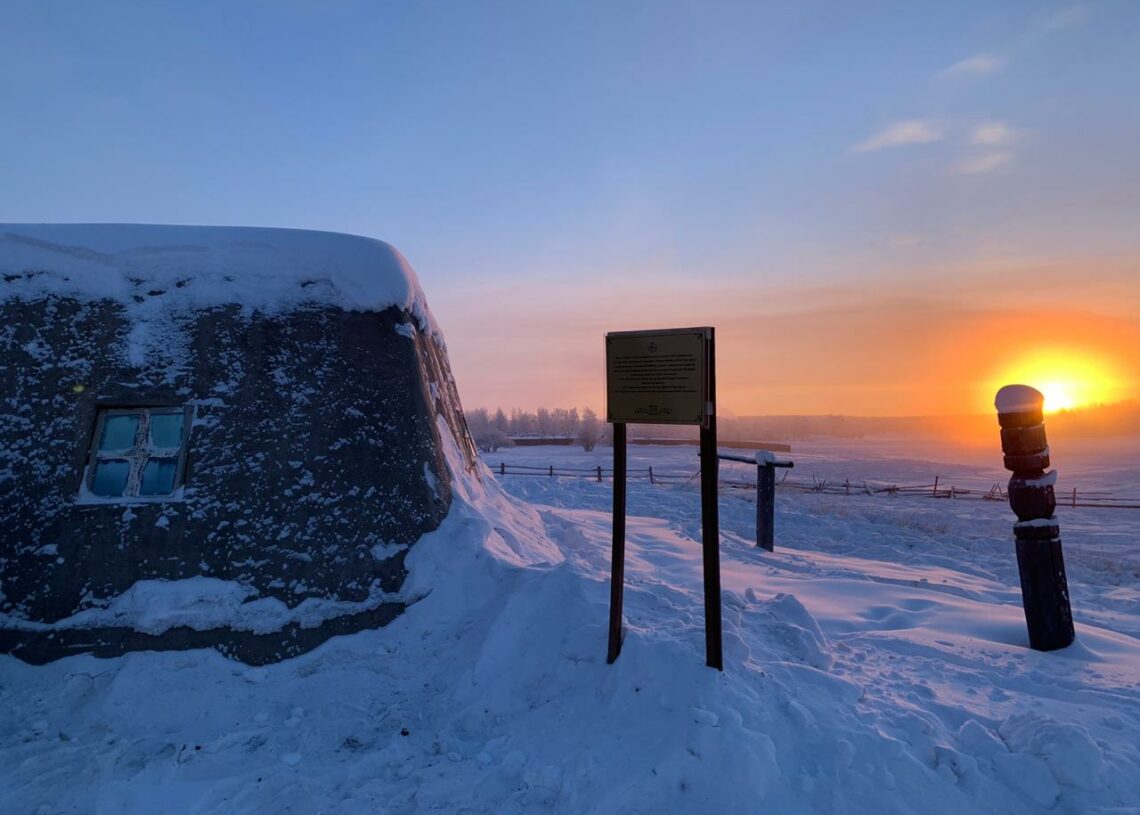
(617, 568)
(1040, 563)
(766, 506)
(710, 523)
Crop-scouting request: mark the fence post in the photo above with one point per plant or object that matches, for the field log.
(1040, 563)
(650, 475)
(599, 473)
(935, 493)
(765, 504)
(502, 468)
(552, 471)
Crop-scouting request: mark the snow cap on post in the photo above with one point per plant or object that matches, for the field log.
(1019, 406)
(1018, 399)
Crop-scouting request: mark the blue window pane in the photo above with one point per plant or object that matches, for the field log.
(158, 476)
(110, 477)
(119, 432)
(166, 430)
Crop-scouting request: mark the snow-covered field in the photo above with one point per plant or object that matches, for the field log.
(875, 663)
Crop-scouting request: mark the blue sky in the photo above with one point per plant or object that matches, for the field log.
(554, 171)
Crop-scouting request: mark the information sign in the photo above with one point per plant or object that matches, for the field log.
(658, 377)
(665, 377)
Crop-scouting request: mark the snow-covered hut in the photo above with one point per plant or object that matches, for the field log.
(213, 436)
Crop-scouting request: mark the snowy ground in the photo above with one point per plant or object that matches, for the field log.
(875, 663)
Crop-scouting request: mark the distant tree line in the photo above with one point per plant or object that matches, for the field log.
(494, 430)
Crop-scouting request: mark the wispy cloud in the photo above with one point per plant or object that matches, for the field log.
(898, 134)
(983, 163)
(977, 65)
(993, 134)
(1063, 18)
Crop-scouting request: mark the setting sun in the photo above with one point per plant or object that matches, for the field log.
(1068, 378)
(1058, 396)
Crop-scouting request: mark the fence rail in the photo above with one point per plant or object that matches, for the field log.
(1073, 498)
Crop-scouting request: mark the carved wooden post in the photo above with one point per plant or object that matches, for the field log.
(1044, 589)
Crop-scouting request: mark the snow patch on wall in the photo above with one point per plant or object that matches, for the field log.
(387, 551)
(201, 603)
(430, 479)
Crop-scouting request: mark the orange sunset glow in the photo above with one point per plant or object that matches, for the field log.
(784, 352)
(1068, 378)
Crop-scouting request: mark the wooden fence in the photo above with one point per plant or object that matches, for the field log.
(1073, 498)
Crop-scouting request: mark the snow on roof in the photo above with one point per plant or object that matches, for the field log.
(190, 267)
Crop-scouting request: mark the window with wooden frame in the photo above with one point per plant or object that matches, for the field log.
(137, 454)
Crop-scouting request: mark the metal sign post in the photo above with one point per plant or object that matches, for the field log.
(617, 576)
(665, 377)
(710, 522)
